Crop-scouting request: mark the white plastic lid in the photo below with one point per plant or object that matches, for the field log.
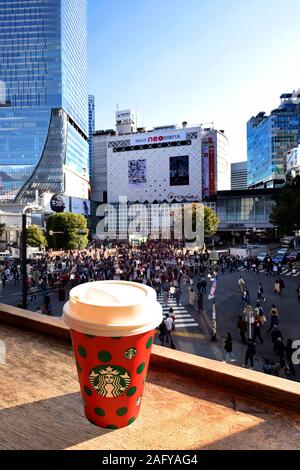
(112, 308)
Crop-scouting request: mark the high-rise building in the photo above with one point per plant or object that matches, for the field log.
(269, 138)
(91, 132)
(239, 176)
(43, 99)
(215, 162)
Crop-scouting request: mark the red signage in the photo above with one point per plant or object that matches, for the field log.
(212, 188)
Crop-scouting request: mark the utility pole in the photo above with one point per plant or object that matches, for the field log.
(24, 261)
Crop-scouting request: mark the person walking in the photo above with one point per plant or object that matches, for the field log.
(162, 332)
(279, 350)
(192, 297)
(241, 284)
(282, 285)
(177, 295)
(250, 353)
(256, 329)
(274, 318)
(277, 289)
(260, 293)
(298, 293)
(169, 327)
(276, 333)
(228, 348)
(289, 351)
(242, 326)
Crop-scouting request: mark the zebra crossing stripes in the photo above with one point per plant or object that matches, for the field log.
(183, 319)
(285, 271)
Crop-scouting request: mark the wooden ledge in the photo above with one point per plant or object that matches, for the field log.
(267, 389)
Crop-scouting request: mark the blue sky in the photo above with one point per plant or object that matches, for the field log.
(218, 61)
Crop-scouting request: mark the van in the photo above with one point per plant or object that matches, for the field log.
(287, 242)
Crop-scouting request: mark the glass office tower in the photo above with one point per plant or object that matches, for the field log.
(91, 131)
(43, 98)
(269, 138)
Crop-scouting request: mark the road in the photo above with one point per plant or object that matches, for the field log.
(193, 331)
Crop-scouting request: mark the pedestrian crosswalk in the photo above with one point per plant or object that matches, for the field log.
(285, 271)
(183, 319)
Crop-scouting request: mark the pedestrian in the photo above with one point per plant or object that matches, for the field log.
(166, 294)
(256, 329)
(192, 297)
(177, 295)
(276, 333)
(298, 293)
(289, 351)
(3, 277)
(250, 353)
(267, 367)
(274, 318)
(279, 350)
(246, 297)
(277, 289)
(172, 315)
(241, 284)
(162, 332)
(242, 326)
(228, 348)
(282, 285)
(169, 327)
(260, 292)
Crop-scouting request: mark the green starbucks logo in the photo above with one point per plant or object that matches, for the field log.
(109, 381)
(130, 353)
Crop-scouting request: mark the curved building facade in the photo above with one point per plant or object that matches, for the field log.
(43, 98)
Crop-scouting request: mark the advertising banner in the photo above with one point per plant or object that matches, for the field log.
(158, 137)
(179, 171)
(80, 206)
(56, 203)
(137, 173)
(212, 188)
(205, 171)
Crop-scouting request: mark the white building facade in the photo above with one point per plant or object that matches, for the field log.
(162, 165)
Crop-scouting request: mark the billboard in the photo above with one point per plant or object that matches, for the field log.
(80, 206)
(56, 203)
(205, 171)
(212, 188)
(137, 173)
(179, 171)
(158, 137)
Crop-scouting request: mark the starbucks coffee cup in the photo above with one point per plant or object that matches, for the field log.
(112, 326)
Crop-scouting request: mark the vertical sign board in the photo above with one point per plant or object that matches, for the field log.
(212, 188)
(205, 171)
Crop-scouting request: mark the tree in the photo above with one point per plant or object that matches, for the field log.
(35, 236)
(285, 214)
(211, 221)
(72, 228)
(2, 228)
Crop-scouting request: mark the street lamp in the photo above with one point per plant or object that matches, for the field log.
(24, 250)
(214, 258)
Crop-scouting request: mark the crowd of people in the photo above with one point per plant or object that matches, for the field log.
(170, 269)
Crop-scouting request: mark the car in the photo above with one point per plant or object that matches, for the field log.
(261, 257)
(283, 250)
(293, 256)
(279, 257)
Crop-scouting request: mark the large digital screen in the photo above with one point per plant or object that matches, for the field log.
(179, 171)
(137, 175)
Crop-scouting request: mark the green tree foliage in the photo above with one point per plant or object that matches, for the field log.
(73, 228)
(211, 221)
(285, 214)
(36, 237)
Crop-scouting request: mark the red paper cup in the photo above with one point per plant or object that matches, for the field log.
(112, 368)
(112, 374)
